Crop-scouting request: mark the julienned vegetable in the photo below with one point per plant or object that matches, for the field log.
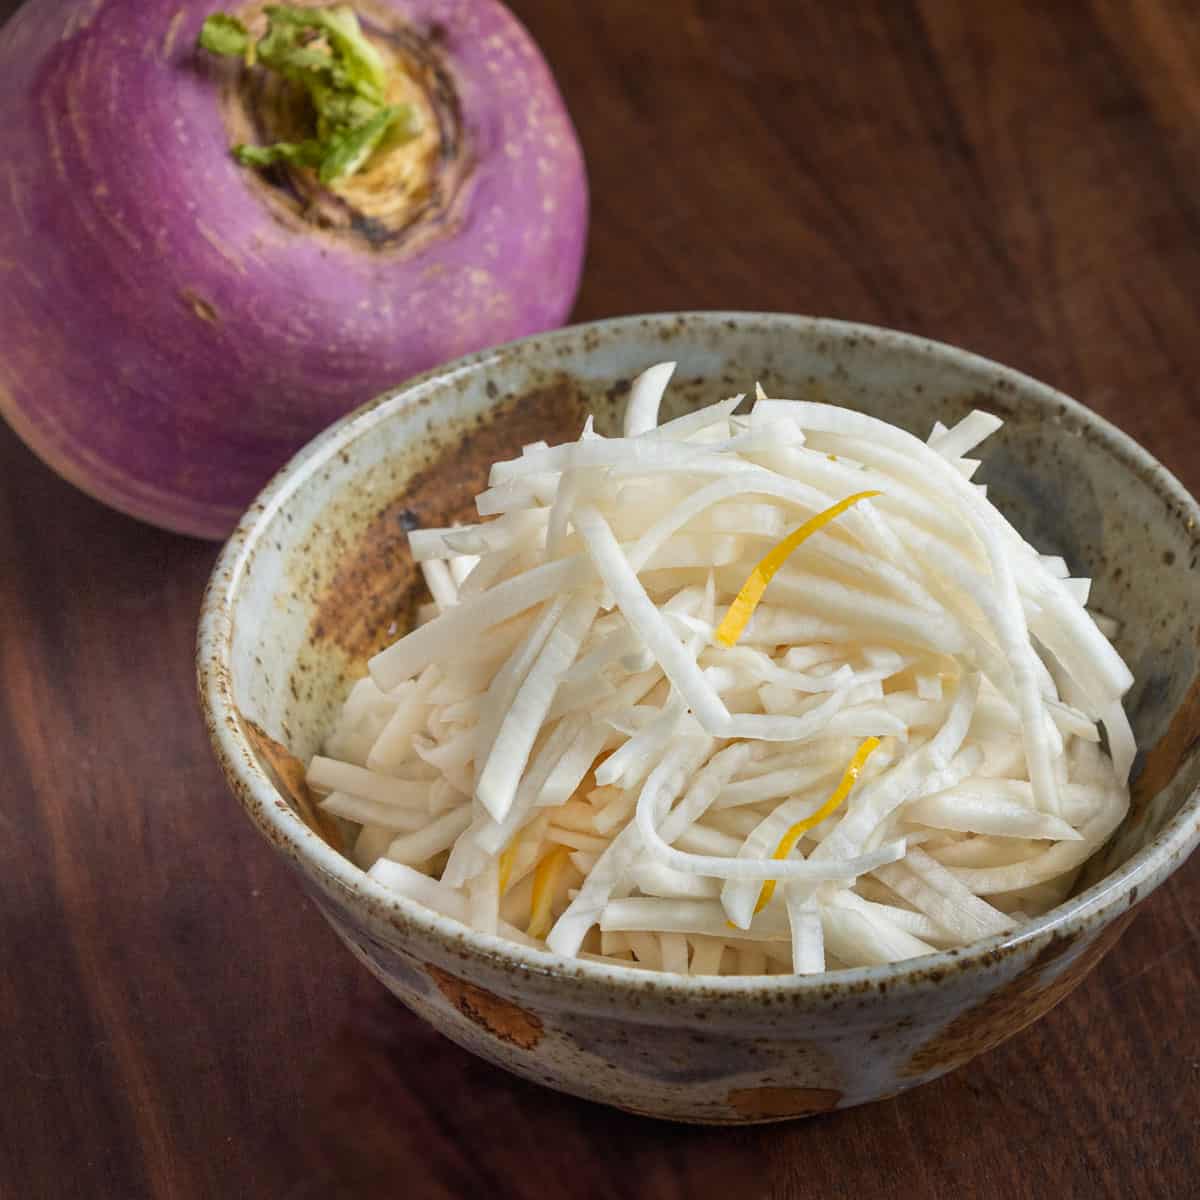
(177, 317)
(777, 693)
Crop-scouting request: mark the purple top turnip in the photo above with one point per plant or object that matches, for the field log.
(175, 323)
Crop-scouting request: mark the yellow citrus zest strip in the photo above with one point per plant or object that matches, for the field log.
(545, 876)
(787, 843)
(746, 601)
(507, 858)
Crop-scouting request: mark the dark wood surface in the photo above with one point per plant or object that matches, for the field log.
(177, 1021)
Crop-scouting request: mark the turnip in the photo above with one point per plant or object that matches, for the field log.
(177, 318)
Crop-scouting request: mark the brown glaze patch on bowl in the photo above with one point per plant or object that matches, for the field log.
(290, 776)
(499, 1017)
(374, 582)
(780, 1103)
(1015, 1005)
(1171, 753)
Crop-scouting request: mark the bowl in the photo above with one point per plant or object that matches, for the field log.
(317, 577)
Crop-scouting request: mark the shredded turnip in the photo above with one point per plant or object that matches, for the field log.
(641, 413)
(737, 694)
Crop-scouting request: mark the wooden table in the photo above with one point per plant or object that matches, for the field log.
(177, 1021)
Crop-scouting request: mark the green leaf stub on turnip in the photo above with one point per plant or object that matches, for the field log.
(324, 52)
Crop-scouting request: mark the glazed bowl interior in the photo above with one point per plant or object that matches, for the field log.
(318, 576)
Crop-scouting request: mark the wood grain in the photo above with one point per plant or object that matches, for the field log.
(1018, 178)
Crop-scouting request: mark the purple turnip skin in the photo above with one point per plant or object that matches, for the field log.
(166, 341)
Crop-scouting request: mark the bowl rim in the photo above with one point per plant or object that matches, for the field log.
(278, 822)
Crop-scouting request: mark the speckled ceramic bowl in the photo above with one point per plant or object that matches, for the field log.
(318, 573)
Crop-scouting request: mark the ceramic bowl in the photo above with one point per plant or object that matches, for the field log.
(318, 576)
